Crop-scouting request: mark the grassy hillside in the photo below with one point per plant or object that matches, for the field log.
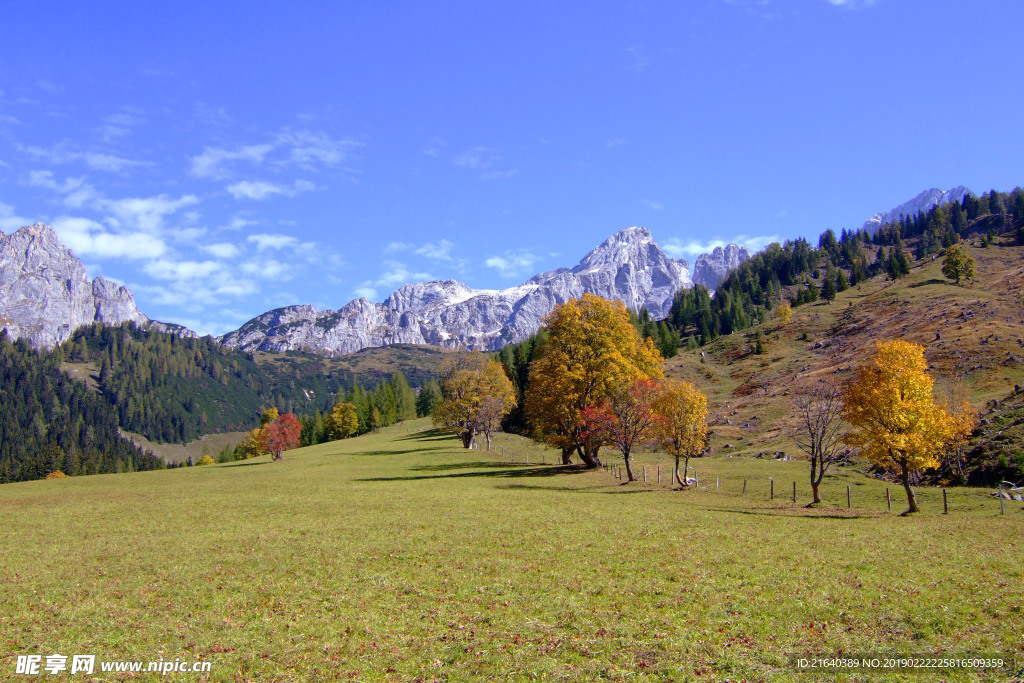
(973, 337)
(400, 556)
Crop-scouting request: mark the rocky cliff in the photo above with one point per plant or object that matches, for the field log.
(629, 266)
(710, 269)
(45, 293)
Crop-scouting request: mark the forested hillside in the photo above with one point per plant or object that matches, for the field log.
(50, 422)
(172, 389)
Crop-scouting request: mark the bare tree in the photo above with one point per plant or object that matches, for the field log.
(820, 409)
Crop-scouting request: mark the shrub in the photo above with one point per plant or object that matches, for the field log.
(205, 460)
(56, 475)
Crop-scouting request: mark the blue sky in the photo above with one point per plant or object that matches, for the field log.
(226, 158)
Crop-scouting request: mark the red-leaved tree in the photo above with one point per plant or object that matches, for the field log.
(626, 418)
(280, 435)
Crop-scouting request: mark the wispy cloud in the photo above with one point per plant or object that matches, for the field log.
(691, 248)
(657, 206)
(10, 221)
(214, 162)
(513, 263)
(98, 161)
(275, 242)
(442, 251)
(222, 250)
(394, 273)
(261, 189)
(612, 143)
(476, 158)
(302, 148)
(88, 238)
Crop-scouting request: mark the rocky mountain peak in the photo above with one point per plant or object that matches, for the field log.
(45, 293)
(919, 204)
(710, 270)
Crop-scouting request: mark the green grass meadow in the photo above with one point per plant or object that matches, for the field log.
(400, 556)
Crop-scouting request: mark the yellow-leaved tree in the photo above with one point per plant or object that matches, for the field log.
(684, 427)
(475, 394)
(897, 423)
(343, 421)
(591, 349)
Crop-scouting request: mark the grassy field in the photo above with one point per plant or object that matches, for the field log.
(400, 556)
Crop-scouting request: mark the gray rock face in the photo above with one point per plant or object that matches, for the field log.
(710, 269)
(629, 266)
(921, 203)
(45, 293)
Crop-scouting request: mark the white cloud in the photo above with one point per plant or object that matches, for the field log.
(394, 274)
(657, 206)
(146, 213)
(397, 246)
(167, 269)
(308, 148)
(259, 189)
(222, 250)
(255, 189)
(268, 269)
(678, 249)
(513, 263)
(441, 251)
(86, 237)
(266, 241)
(214, 161)
(611, 143)
(852, 4)
(9, 221)
(99, 161)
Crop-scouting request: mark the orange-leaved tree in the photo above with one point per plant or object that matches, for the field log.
(280, 435)
(625, 418)
(897, 423)
(475, 394)
(591, 348)
(684, 423)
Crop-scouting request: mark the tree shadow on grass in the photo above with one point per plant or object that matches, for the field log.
(508, 471)
(779, 512)
(247, 464)
(427, 435)
(400, 451)
(586, 489)
(933, 281)
(480, 464)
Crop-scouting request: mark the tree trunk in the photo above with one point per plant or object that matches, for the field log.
(566, 456)
(815, 480)
(468, 437)
(589, 457)
(911, 498)
(488, 437)
(629, 468)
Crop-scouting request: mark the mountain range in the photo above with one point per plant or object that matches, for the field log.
(45, 295)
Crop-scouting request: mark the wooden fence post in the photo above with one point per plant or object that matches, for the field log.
(744, 486)
(645, 474)
(945, 506)
(847, 496)
(718, 483)
(888, 500)
(659, 472)
(794, 491)
(771, 490)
